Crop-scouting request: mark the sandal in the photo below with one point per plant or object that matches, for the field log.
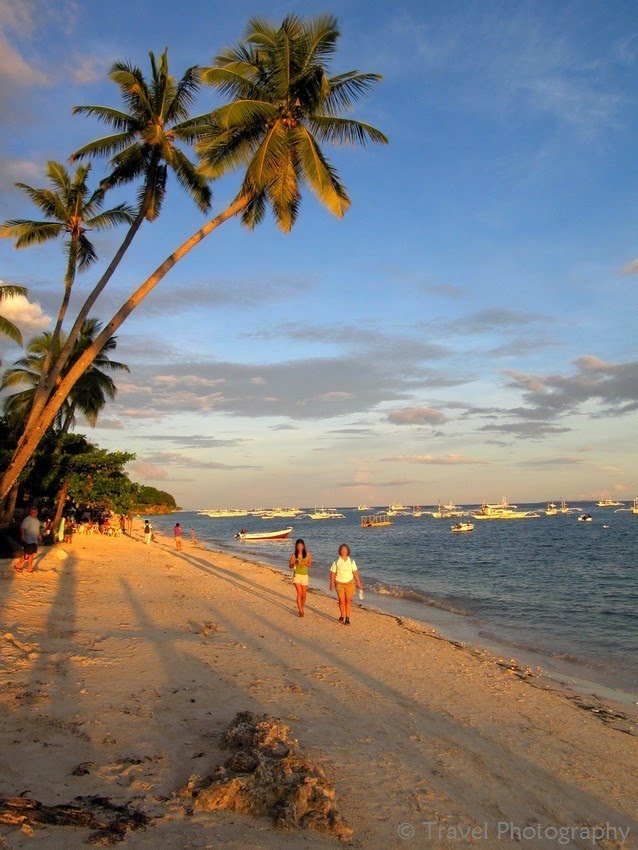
(341, 619)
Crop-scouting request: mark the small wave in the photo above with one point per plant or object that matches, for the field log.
(412, 595)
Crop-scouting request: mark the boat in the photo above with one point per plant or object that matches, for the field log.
(281, 513)
(632, 510)
(326, 513)
(264, 535)
(417, 511)
(376, 521)
(606, 502)
(226, 513)
(565, 509)
(552, 510)
(362, 508)
(462, 527)
(397, 509)
(585, 518)
(503, 511)
(449, 511)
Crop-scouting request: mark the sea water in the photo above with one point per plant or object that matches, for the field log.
(551, 590)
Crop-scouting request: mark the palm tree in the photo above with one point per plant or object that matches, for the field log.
(8, 328)
(284, 105)
(88, 396)
(151, 126)
(290, 61)
(70, 211)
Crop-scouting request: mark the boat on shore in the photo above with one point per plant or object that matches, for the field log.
(264, 535)
(503, 511)
(376, 521)
(462, 527)
(606, 502)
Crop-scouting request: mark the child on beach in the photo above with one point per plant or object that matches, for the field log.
(300, 562)
(177, 533)
(344, 575)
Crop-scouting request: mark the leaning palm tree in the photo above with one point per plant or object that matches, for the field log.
(89, 394)
(8, 328)
(285, 70)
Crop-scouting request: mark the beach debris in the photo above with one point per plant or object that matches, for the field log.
(23, 647)
(83, 769)
(109, 822)
(616, 719)
(267, 775)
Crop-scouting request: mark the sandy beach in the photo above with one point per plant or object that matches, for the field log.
(131, 660)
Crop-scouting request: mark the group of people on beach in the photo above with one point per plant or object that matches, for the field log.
(344, 578)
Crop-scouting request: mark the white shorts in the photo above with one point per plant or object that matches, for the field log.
(303, 580)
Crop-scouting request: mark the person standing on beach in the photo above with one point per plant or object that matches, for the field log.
(148, 532)
(300, 562)
(177, 533)
(30, 533)
(344, 575)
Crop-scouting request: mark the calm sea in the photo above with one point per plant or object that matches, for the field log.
(550, 591)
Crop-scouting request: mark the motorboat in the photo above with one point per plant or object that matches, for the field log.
(606, 502)
(503, 511)
(417, 511)
(362, 508)
(462, 527)
(281, 513)
(376, 521)
(264, 535)
(552, 510)
(585, 518)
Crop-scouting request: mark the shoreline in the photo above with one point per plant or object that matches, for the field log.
(122, 664)
(525, 665)
(575, 675)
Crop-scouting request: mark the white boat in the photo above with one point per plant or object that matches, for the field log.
(225, 513)
(264, 535)
(503, 511)
(565, 509)
(449, 511)
(281, 513)
(326, 513)
(632, 510)
(552, 510)
(417, 511)
(609, 503)
(584, 518)
(397, 509)
(362, 508)
(462, 527)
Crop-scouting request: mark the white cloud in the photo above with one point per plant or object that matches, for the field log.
(451, 459)
(27, 315)
(417, 416)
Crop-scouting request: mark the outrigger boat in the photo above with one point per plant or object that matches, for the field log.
(462, 527)
(376, 521)
(552, 510)
(362, 508)
(264, 535)
(449, 511)
(326, 513)
(503, 511)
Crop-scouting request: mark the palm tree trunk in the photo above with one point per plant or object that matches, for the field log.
(31, 438)
(61, 502)
(10, 505)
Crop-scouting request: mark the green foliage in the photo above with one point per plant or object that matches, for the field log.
(7, 328)
(150, 496)
(97, 480)
(284, 105)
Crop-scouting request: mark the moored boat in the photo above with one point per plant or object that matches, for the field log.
(585, 518)
(606, 502)
(264, 535)
(503, 511)
(462, 527)
(376, 521)
(326, 513)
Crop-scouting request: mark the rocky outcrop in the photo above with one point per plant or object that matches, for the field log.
(267, 775)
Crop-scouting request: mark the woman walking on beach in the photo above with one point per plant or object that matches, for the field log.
(344, 575)
(300, 562)
(177, 533)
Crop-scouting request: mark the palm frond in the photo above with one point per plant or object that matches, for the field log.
(12, 290)
(319, 174)
(121, 214)
(58, 175)
(49, 202)
(27, 233)
(86, 253)
(183, 99)
(8, 329)
(113, 117)
(192, 180)
(232, 79)
(346, 89)
(344, 131)
(105, 146)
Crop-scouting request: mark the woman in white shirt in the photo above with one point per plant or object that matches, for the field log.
(344, 575)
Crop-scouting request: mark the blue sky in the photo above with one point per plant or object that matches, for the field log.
(468, 330)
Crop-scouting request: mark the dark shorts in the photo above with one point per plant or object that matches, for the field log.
(30, 548)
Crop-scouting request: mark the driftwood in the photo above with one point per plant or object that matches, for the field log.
(109, 822)
(267, 775)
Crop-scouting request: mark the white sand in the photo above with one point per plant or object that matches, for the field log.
(134, 658)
